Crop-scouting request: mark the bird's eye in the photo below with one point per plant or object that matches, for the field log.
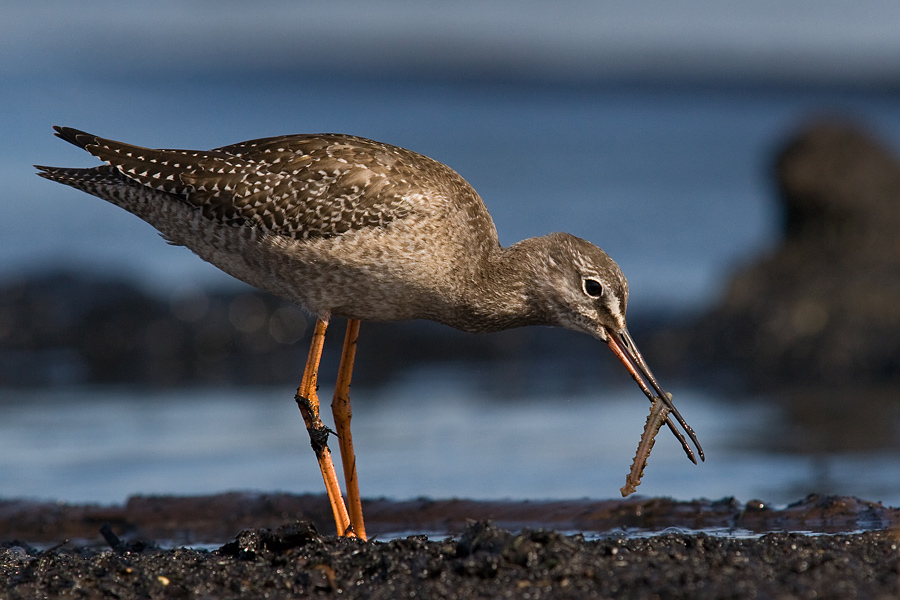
(593, 288)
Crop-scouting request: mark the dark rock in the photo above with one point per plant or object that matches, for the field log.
(530, 564)
(823, 309)
(67, 328)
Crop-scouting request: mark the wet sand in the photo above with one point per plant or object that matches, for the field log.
(521, 555)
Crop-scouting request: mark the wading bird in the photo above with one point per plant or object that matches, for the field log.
(350, 227)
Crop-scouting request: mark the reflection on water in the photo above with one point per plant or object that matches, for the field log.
(430, 434)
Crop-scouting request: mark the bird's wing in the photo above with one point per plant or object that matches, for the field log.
(299, 186)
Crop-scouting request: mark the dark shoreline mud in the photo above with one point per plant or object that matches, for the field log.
(214, 520)
(522, 554)
(484, 561)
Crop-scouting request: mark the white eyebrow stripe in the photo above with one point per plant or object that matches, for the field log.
(615, 309)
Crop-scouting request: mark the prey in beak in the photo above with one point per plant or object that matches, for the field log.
(626, 351)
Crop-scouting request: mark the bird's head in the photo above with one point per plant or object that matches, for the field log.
(586, 291)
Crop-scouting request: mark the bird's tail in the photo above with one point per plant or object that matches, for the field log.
(74, 136)
(87, 180)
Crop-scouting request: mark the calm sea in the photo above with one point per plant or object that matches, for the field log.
(428, 434)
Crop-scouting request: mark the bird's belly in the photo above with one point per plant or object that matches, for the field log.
(347, 277)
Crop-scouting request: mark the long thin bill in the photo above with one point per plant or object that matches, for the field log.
(626, 351)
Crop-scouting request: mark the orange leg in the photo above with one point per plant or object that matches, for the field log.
(340, 406)
(308, 402)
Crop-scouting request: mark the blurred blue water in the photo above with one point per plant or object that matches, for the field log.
(673, 181)
(430, 434)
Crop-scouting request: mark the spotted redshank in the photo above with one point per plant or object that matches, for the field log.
(350, 227)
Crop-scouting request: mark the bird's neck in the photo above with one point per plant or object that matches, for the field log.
(501, 293)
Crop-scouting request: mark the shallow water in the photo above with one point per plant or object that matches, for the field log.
(429, 434)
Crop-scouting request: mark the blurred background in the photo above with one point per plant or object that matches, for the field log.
(694, 144)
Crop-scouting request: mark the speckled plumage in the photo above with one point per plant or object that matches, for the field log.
(355, 228)
(350, 227)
